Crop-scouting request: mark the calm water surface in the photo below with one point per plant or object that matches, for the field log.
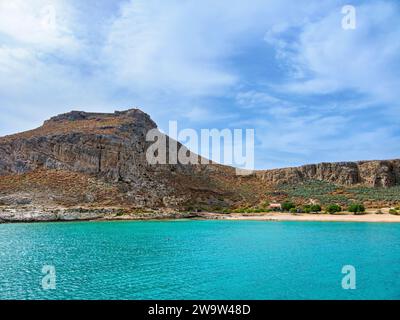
(200, 260)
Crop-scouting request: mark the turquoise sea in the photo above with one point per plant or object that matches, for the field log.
(200, 260)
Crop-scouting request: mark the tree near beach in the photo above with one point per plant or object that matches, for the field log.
(315, 208)
(333, 208)
(287, 205)
(356, 208)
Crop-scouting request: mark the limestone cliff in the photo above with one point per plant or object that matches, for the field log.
(368, 173)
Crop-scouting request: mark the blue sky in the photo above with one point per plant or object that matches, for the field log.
(312, 91)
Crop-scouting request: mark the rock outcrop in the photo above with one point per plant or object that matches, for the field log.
(107, 144)
(368, 173)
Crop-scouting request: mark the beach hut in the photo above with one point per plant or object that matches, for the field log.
(275, 206)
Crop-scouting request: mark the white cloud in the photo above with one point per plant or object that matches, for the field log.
(31, 34)
(42, 24)
(41, 55)
(292, 141)
(185, 48)
(266, 104)
(326, 58)
(253, 98)
(300, 134)
(153, 45)
(205, 115)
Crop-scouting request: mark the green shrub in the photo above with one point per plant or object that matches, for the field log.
(286, 206)
(316, 208)
(375, 194)
(309, 189)
(327, 193)
(333, 208)
(393, 211)
(306, 208)
(293, 210)
(356, 208)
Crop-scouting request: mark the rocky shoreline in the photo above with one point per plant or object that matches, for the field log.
(15, 215)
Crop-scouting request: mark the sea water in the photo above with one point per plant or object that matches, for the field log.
(199, 260)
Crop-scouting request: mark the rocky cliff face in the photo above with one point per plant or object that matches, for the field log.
(110, 148)
(105, 144)
(99, 159)
(368, 173)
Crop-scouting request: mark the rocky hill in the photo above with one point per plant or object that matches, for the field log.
(97, 161)
(368, 173)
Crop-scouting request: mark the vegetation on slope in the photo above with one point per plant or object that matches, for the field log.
(328, 193)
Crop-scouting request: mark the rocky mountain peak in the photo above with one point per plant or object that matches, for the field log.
(133, 115)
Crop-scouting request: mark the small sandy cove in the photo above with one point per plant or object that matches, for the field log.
(370, 217)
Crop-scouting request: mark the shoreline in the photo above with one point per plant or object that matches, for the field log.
(371, 217)
(43, 216)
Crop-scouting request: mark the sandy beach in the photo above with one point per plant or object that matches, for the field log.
(306, 217)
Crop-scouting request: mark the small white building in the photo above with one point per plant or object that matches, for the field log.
(275, 206)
